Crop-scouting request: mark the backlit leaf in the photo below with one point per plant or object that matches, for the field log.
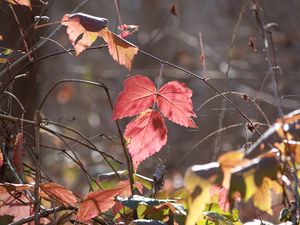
(83, 29)
(198, 181)
(228, 161)
(97, 202)
(121, 50)
(127, 30)
(262, 198)
(15, 204)
(145, 135)
(62, 194)
(20, 2)
(174, 101)
(18, 153)
(139, 94)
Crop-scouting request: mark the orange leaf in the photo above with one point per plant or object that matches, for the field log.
(62, 194)
(121, 50)
(146, 135)
(97, 202)
(18, 153)
(174, 101)
(20, 2)
(83, 29)
(139, 94)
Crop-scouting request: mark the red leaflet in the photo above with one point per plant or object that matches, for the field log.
(20, 2)
(146, 135)
(174, 101)
(15, 204)
(18, 153)
(127, 30)
(97, 202)
(139, 94)
(62, 194)
(83, 29)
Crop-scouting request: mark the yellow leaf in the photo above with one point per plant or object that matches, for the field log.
(250, 184)
(262, 197)
(121, 50)
(228, 161)
(199, 191)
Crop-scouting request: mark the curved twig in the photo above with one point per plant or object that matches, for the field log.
(244, 96)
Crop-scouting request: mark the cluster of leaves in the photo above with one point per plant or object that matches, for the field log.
(147, 133)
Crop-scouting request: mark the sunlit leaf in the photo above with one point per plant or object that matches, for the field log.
(62, 194)
(262, 198)
(174, 101)
(145, 135)
(83, 29)
(97, 202)
(20, 2)
(121, 50)
(198, 181)
(15, 204)
(138, 95)
(228, 161)
(127, 30)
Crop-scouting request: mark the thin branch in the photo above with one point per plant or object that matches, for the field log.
(20, 60)
(242, 95)
(17, 100)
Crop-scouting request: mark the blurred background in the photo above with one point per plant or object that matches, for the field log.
(235, 61)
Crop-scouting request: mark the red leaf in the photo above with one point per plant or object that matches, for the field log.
(139, 94)
(18, 153)
(97, 202)
(16, 205)
(62, 194)
(174, 101)
(121, 50)
(146, 135)
(20, 2)
(83, 29)
(127, 30)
